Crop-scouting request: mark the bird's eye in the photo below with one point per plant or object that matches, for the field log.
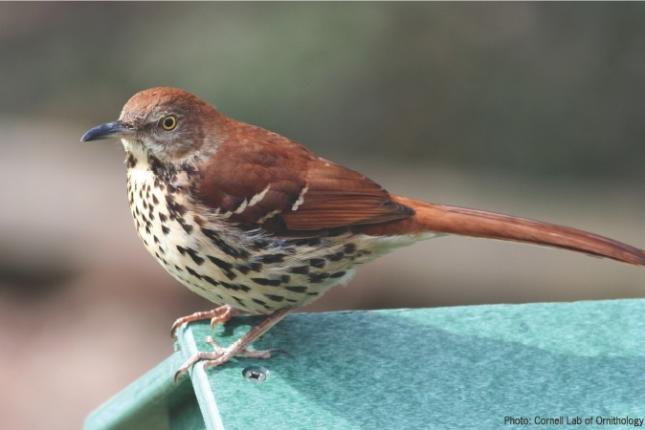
(168, 123)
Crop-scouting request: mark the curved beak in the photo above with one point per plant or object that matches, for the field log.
(108, 130)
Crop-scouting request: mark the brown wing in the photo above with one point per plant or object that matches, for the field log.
(261, 178)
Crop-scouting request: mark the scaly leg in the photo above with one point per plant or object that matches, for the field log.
(219, 315)
(237, 348)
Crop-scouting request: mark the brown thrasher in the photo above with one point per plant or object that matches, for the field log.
(258, 224)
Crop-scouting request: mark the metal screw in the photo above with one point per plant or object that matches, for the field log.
(255, 374)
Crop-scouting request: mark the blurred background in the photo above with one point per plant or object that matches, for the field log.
(530, 109)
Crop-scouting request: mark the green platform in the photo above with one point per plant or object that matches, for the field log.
(444, 368)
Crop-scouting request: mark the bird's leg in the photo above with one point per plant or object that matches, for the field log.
(237, 348)
(219, 315)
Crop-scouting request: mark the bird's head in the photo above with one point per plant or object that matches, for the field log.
(168, 123)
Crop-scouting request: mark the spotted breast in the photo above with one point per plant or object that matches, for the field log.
(231, 264)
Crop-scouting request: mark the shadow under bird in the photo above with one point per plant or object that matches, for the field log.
(258, 224)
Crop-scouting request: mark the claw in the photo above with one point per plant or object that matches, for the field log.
(188, 364)
(219, 315)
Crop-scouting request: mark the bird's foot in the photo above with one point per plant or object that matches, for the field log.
(219, 315)
(221, 355)
(245, 352)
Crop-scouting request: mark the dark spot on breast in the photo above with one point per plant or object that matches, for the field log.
(187, 227)
(238, 300)
(297, 289)
(259, 244)
(225, 266)
(179, 268)
(336, 257)
(223, 246)
(165, 229)
(274, 297)
(155, 200)
(220, 263)
(259, 302)
(188, 168)
(317, 262)
(272, 258)
(210, 280)
(317, 278)
(235, 287)
(192, 272)
(337, 274)
(131, 161)
(265, 281)
(175, 210)
(194, 255)
(166, 172)
(156, 239)
(162, 217)
(253, 267)
(349, 248)
(303, 270)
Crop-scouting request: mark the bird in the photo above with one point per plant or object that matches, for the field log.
(260, 225)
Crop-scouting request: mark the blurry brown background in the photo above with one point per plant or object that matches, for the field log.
(530, 109)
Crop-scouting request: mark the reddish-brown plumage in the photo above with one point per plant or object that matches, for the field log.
(250, 159)
(478, 223)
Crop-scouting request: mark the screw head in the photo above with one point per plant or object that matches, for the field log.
(255, 374)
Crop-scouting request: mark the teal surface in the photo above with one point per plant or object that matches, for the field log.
(461, 367)
(154, 401)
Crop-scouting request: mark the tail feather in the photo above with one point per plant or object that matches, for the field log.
(477, 223)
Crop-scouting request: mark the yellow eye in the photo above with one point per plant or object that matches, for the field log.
(168, 122)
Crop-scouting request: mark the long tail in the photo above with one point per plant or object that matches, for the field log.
(472, 222)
